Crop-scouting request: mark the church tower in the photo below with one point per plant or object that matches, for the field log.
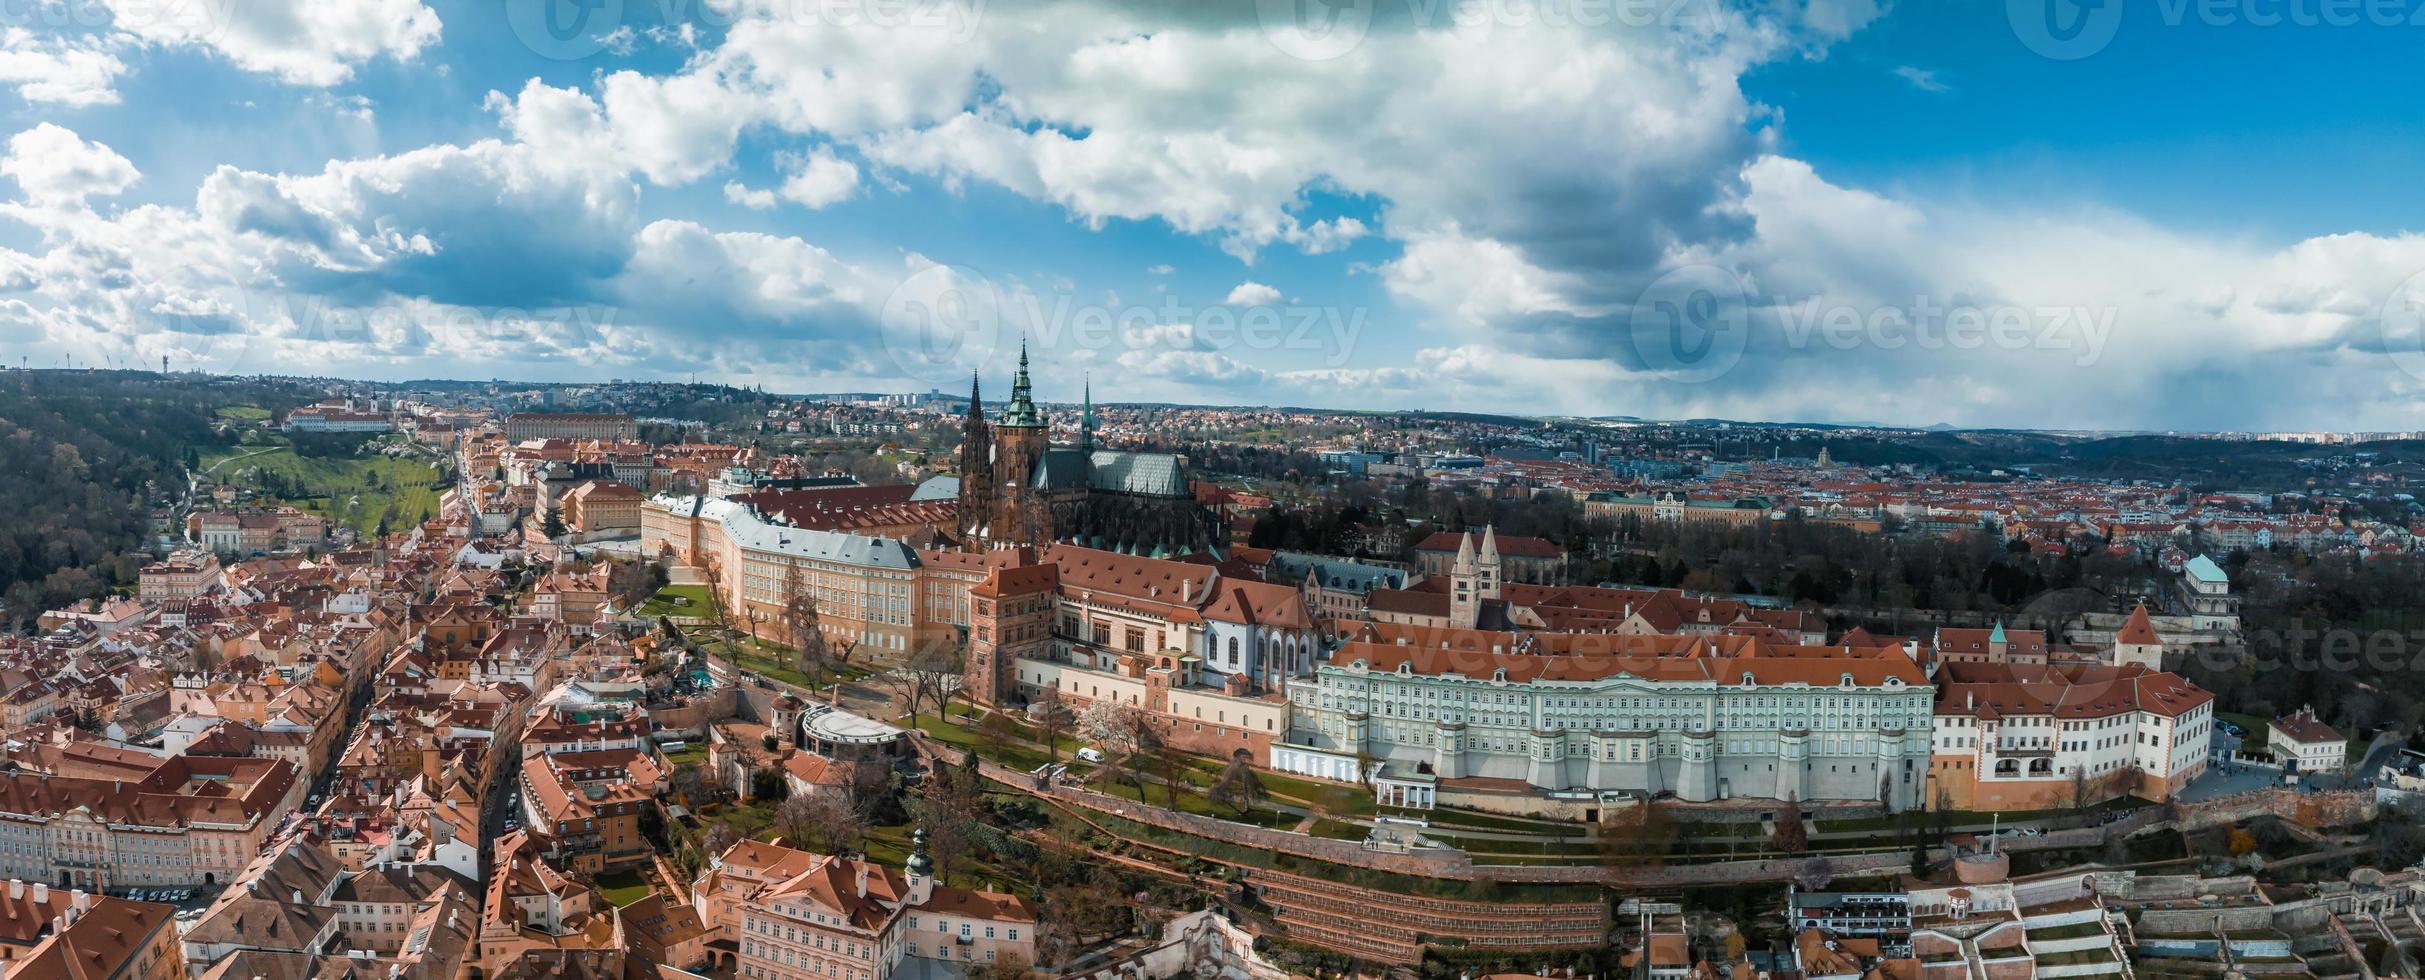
(1464, 599)
(1487, 576)
(976, 466)
(1021, 435)
(1086, 421)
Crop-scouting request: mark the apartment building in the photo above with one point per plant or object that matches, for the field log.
(570, 425)
(56, 932)
(583, 808)
(189, 821)
(794, 915)
(182, 575)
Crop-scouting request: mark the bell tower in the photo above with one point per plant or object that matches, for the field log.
(1021, 434)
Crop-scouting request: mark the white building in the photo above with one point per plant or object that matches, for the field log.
(2303, 744)
(1702, 719)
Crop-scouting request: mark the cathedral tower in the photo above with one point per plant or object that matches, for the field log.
(976, 466)
(1021, 435)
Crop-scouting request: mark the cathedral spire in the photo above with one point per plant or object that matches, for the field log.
(1022, 413)
(1086, 421)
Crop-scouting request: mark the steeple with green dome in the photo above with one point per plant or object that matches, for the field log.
(1021, 413)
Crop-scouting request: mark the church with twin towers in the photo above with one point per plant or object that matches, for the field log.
(1017, 488)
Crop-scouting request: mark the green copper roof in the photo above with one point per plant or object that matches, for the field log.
(1021, 413)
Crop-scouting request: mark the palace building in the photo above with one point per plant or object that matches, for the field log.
(1702, 718)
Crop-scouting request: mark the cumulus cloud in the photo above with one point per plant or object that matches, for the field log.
(301, 42)
(60, 70)
(819, 178)
(1252, 294)
(55, 168)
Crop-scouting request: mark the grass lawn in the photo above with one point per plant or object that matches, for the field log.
(694, 753)
(693, 602)
(623, 887)
(252, 413)
(352, 491)
(1339, 830)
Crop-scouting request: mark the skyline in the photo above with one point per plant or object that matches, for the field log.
(1480, 207)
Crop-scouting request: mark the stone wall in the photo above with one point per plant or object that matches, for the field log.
(693, 717)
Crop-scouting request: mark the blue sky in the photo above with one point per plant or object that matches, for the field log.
(1828, 211)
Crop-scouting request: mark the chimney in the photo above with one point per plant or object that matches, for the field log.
(1186, 586)
(42, 892)
(862, 879)
(16, 889)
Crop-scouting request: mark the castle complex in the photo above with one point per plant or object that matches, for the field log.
(1017, 488)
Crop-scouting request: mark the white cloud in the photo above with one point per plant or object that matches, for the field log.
(755, 199)
(55, 168)
(1252, 294)
(819, 178)
(58, 70)
(302, 42)
(1923, 79)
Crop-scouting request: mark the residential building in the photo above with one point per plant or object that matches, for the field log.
(570, 425)
(799, 916)
(2303, 744)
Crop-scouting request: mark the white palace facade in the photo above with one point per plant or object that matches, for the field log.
(1702, 718)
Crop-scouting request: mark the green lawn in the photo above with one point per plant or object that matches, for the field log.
(694, 602)
(692, 753)
(252, 413)
(623, 887)
(351, 491)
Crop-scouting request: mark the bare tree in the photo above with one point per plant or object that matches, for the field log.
(1052, 717)
(1126, 735)
(2079, 795)
(930, 677)
(802, 626)
(1815, 874)
(1240, 788)
(1790, 837)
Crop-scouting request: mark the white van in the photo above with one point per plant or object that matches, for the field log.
(1091, 754)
